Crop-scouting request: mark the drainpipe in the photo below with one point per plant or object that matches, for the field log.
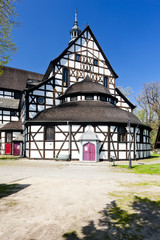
(24, 131)
(69, 130)
(135, 142)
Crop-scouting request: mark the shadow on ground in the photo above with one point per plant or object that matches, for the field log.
(141, 222)
(8, 189)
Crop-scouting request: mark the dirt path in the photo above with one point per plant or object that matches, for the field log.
(51, 200)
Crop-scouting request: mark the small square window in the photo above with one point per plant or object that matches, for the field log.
(16, 95)
(13, 113)
(78, 57)
(95, 62)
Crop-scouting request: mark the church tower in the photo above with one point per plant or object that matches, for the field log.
(75, 31)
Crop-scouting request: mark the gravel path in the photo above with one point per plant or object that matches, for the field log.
(54, 198)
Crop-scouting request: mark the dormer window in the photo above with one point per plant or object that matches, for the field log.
(78, 57)
(65, 77)
(95, 62)
(105, 83)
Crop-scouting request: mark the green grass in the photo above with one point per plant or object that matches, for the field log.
(143, 169)
(153, 157)
(9, 157)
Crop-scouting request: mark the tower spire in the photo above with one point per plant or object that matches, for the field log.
(75, 31)
(75, 22)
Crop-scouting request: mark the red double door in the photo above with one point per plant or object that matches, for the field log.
(89, 152)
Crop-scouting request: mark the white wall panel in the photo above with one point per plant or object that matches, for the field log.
(48, 145)
(38, 92)
(75, 155)
(38, 136)
(40, 145)
(103, 155)
(49, 154)
(35, 154)
(59, 136)
(122, 155)
(36, 128)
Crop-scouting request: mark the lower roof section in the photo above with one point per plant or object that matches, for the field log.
(12, 126)
(86, 112)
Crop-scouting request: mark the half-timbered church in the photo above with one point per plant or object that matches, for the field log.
(74, 111)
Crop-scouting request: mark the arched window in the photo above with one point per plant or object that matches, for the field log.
(65, 77)
(106, 82)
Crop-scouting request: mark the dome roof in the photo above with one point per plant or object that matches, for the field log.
(87, 86)
(86, 112)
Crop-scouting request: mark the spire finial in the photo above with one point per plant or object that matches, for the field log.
(75, 31)
(76, 16)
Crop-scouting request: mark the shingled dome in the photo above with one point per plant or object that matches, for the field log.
(86, 111)
(87, 86)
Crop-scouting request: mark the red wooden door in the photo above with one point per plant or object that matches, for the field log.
(8, 148)
(17, 148)
(89, 152)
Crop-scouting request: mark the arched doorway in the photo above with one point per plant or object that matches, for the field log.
(89, 152)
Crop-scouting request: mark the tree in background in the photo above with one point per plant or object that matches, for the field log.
(149, 101)
(127, 91)
(8, 18)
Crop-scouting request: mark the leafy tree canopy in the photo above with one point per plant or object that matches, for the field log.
(8, 18)
(149, 102)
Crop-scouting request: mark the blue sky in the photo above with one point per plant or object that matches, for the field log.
(127, 30)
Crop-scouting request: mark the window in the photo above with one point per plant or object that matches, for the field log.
(16, 95)
(141, 135)
(102, 98)
(65, 77)
(8, 137)
(40, 100)
(122, 135)
(73, 98)
(95, 62)
(106, 82)
(78, 57)
(13, 113)
(49, 133)
(89, 97)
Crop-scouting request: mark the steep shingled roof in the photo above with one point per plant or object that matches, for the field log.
(15, 79)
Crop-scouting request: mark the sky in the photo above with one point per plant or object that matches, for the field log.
(128, 31)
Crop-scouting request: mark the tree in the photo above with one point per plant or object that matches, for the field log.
(149, 101)
(127, 91)
(8, 18)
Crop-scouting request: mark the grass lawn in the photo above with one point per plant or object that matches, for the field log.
(143, 169)
(10, 157)
(154, 156)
